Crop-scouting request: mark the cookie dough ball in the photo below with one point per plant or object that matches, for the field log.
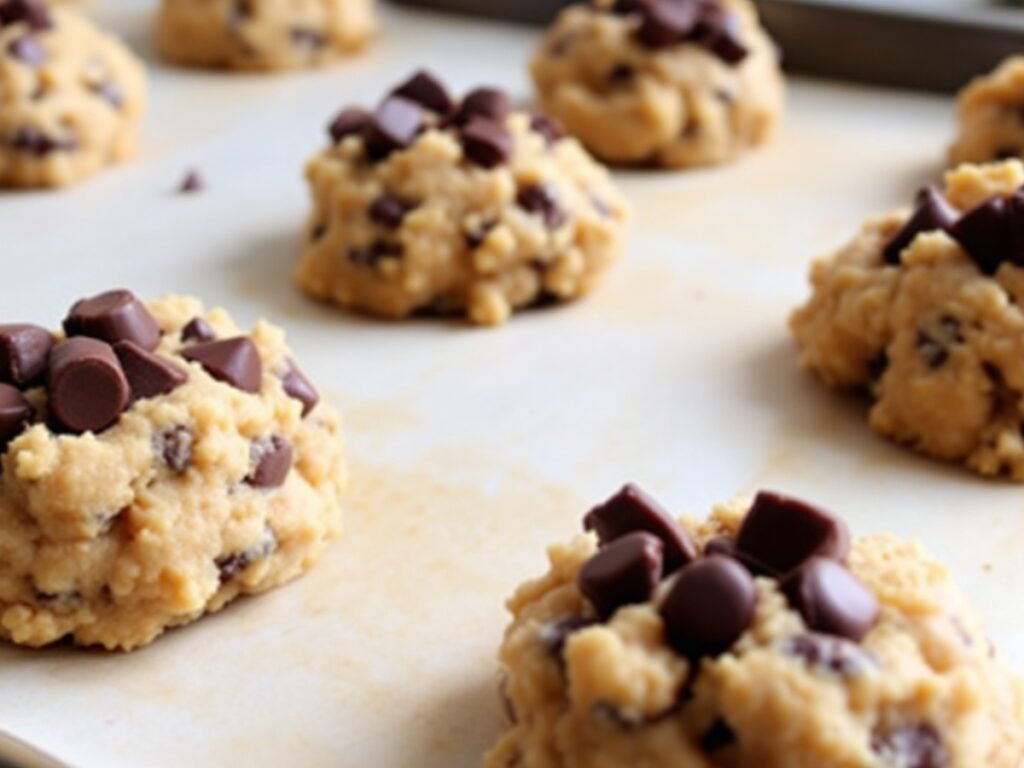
(262, 34)
(670, 83)
(437, 206)
(158, 462)
(761, 638)
(71, 96)
(922, 310)
(991, 112)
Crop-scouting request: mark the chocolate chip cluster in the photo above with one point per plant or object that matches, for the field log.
(712, 599)
(666, 23)
(107, 362)
(992, 233)
(422, 103)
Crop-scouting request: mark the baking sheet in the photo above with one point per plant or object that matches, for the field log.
(471, 450)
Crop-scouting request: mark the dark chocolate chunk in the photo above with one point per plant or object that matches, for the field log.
(15, 414)
(667, 22)
(633, 510)
(725, 546)
(298, 387)
(719, 31)
(389, 210)
(191, 183)
(395, 126)
(542, 199)
(148, 375)
(548, 127)
(24, 350)
(488, 103)
(174, 446)
(485, 142)
(931, 213)
(111, 317)
(710, 605)
(235, 563)
(310, 39)
(553, 635)
(34, 13)
(234, 361)
(985, 232)
(831, 654)
(369, 256)
(426, 90)
(781, 533)
(28, 50)
(914, 746)
(349, 122)
(718, 736)
(629, 7)
(33, 141)
(272, 460)
(87, 388)
(623, 573)
(197, 329)
(831, 599)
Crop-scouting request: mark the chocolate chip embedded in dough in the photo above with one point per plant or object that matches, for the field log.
(235, 563)
(389, 210)
(548, 127)
(781, 533)
(33, 141)
(174, 446)
(986, 234)
(24, 350)
(111, 317)
(623, 573)
(831, 599)
(709, 606)
(829, 654)
(428, 91)
(349, 122)
(718, 736)
(489, 103)
(310, 39)
(931, 213)
(28, 50)
(148, 375)
(34, 13)
(15, 414)
(667, 22)
(554, 634)
(110, 92)
(87, 388)
(369, 256)
(542, 198)
(486, 143)
(395, 126)
(911, 746)
(234, 361)
(633, 510)
(197, 329)
(272, 460)
(298, 387)
(719, 31)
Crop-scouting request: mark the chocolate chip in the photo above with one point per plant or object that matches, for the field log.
(191, 183)
(87, 388)
(915, 746)
(197, 329)
(1016, 216)
(629, 7)
(548, 127)
(831, 654)
(667, 22)
(542, 198)
(109, 91)
(174, 446)
(148, 375)
(780, 533)
(271, 458)
(234, 361)
(878, 365)
(310, 39)
(933, 343)
(485, 142)
(233, 564)
(298, 387)
(621, 73)
(24, 350)
(395, 126)
(623, 573)
(554, 634)
(710, 605)
(426, 90)
(718, 736)
(34, 13)
(368, 256)
(111, 317)
(719, 31)
(985, 232)
(389, 210)
(633, 510)
(33, 141)
(488, 103)
(15, 414)
(349, 122)
(28, 50)
(931, 213)
(831, 599)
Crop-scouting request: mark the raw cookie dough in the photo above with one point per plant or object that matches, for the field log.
(923, 311)
(155, 480)
(670, 83)
(635, 650)
(262, 34)
(991, 112)
(71, 96)
(433, 206)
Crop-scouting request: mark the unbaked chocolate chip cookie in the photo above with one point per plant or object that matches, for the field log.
(71, 96)
(671, 83)
(430, 204)
(764, 637)
(157, 462)
(922, 310)
(262, 34)
(991, 112)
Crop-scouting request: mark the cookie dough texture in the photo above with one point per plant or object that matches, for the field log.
(112, 538)
(923, 689)
(262, 34)
(991, 116)
(938, 344)
(70, 103)
(467, 246)
(672, 107)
